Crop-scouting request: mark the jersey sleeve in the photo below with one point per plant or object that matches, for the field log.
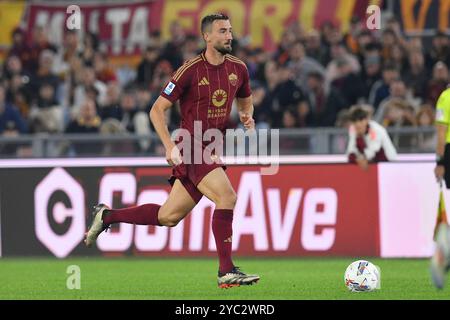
(443, 108)
(352, 151)
(244, 90)
(388, 146)
(177, 85)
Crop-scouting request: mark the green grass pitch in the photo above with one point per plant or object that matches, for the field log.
(195, 278)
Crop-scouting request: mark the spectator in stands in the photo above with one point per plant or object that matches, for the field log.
(351, 37)
(45, 74)
(329, 38)
(325, 102)
(301, 65)
(398, 113)
(11, 125)
(262, 111)
(289, 143)
(155, 39)
(393, 23)
(425, 118)
(365, 42)
(92, 93)
(13, 66)
(371, 72)
(314, 48)
(11, 122)
(144, 98)
(71, 48)
(271, 80)
(290, 119)
(287, 94)
(416, 75)
(339, 54)
(287, 40)
(440, 50)
(388, 40)
(146, 68)
(20, 48)
(40, 43)
(415, 44)
(399, 98)
(173, 50)
(330, 34)
(260, 58)
(87, 121)
(380, 89)
(18, 93)
(397, 57)
(89, 79)
(348, 81)
(161, 76)
(46, 115)
(190, 47)
(111, 108)
(368, 141)
(134, 120)
(71, 79)
(103, 71)
(438, 83)
(19, 81)
(91, 45)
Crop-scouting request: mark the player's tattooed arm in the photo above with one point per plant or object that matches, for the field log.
(245, 108)
(158, 118)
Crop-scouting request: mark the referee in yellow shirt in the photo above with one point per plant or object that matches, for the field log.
(440, 262)
(442, 169)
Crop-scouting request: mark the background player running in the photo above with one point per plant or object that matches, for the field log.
(206, 87)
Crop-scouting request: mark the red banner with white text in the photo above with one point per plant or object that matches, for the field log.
(303, 210)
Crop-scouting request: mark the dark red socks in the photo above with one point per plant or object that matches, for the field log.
(146, 214)
(223, 231)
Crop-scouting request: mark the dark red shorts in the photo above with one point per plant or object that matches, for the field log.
(190, 176)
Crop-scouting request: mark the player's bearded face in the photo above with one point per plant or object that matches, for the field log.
(222, 36)
(224, 48)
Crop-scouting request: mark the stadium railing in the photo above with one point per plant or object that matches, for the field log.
(291, 142)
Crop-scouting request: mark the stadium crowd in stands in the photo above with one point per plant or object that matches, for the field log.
(311, 80)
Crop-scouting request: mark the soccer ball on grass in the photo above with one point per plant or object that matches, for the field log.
(362, 276)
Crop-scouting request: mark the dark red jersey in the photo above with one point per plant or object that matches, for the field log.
(206, 92)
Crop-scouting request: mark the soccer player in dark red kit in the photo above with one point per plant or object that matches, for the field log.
(206, 87)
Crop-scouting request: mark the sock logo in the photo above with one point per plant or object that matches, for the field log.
(229, 239)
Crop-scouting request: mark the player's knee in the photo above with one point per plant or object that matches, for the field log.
(169, 220)
(227, 200)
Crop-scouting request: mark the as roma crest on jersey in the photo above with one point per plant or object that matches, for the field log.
(233, 79)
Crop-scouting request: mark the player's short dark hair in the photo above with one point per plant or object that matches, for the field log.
(209, 19)
(358, 114)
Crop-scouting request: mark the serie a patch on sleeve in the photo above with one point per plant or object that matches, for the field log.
(439, 115)
(169, 88)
